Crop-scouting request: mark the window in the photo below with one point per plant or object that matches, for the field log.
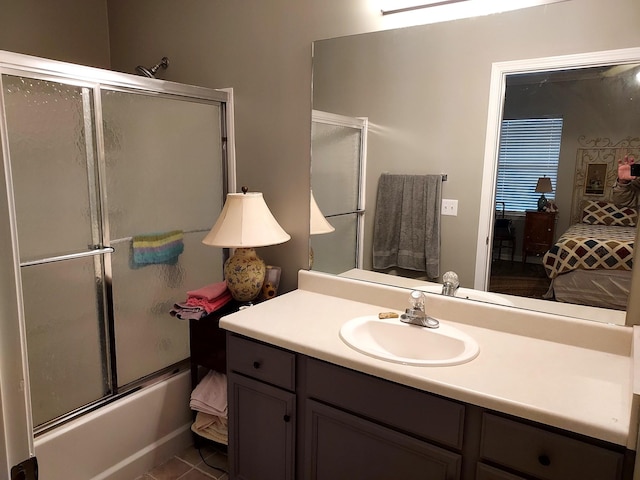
(529, 149)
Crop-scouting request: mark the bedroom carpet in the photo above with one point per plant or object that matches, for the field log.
(515, 278)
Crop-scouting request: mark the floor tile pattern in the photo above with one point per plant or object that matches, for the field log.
(191, 464)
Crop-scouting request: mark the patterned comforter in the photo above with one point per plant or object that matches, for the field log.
(591, 247)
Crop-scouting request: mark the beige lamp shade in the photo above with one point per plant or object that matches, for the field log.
(544, 185)
(245, 221)
(318, 223)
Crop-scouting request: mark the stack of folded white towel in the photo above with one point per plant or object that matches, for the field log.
(209, 400)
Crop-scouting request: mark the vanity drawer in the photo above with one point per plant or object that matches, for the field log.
(262, 362)
(544, 454)
(413, 411)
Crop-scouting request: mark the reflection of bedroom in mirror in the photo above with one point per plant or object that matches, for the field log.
(570, 126)
(443, 129)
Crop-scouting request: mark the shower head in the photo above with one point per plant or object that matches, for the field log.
(151, 72)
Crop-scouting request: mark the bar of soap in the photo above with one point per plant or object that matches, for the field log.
(387, 315)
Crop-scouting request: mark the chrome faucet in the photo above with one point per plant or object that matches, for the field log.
(450, 284)
(416, 314)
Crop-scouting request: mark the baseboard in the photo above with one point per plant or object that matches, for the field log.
(150, 456)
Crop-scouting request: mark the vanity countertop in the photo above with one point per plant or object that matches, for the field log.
(576, 376)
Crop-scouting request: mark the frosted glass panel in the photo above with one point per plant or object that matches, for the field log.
(336, 252)
(147, 337)
(335, 177)
(164, 165)
(48, 150)
(164, 172)
(63, 337)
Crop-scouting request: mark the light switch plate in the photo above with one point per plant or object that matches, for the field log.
(449, 207)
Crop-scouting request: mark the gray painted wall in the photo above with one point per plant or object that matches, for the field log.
(67, 30)
(263, 50)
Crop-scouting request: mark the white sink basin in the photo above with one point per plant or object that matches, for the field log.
(399, 342)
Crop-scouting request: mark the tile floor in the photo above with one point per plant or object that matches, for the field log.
(189, 465)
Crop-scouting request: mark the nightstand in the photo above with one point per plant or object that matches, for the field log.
(539, 228)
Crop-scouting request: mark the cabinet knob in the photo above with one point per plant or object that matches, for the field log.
(256, 364)
(287, 418)
(544, 460)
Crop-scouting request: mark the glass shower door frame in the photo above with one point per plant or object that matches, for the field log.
(17, 443)
(360, 124)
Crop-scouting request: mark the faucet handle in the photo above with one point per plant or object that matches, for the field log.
(452, 278)
(416, 300)
(450, 283)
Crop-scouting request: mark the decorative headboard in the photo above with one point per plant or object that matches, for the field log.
(597, 170)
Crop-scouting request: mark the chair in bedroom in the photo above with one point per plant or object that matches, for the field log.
(504, 235)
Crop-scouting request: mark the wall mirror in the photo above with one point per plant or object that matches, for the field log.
(426, 105)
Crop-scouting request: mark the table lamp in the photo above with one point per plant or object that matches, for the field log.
(244, 223)
(318, 225)
(543, 186)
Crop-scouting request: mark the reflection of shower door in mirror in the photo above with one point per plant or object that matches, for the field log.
(92, 168)
(338, 148)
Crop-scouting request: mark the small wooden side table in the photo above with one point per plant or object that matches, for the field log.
(208, 349)
(539, 229)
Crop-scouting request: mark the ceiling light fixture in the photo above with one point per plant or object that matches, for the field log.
(400, 7)
(445, 10)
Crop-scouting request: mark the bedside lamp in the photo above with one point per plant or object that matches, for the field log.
(543, 186)
(244, 223)
(318, 224)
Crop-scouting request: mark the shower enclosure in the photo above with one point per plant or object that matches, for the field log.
(92, 161)
(338, 172)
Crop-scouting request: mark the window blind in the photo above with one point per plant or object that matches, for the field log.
(529, 149)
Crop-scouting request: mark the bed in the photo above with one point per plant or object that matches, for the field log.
(591, 262)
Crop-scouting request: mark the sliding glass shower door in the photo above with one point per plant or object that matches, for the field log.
(163, 171)
(51, 145)
(91, 166)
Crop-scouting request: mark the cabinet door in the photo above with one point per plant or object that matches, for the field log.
(261, 430)
(485, 472)
(343, 446)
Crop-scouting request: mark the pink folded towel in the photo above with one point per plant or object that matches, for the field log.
(209, 305)
(210, 292)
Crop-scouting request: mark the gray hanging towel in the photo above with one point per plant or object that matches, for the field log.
(406, 228)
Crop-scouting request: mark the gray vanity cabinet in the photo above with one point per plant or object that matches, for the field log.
(340, 445)
(262, 411)
(486, 472)
(350, 425)
(357, 426)
(545, 454)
